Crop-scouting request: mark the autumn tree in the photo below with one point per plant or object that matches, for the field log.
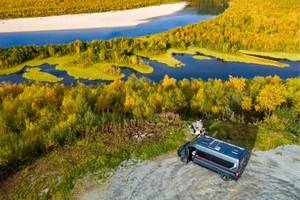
(270, 97)
(79, 46)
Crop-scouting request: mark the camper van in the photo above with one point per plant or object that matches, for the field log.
(224, 158)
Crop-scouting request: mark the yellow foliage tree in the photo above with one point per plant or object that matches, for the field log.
(270, 97)
(130, 102)
(168, 82)
(247, 103)
(238, 84)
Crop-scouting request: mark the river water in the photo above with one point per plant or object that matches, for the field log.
(194, 69)
(187, 16)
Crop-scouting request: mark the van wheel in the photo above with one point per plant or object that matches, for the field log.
(183, 159)
(225, 177)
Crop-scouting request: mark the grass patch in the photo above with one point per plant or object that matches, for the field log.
(36, 75)
(166, 58)
(102, 71)
(171, 142)
(97, 71)
(243, 135)
(11, 70)
(281, 128)
(37, 62)
(275, 55)
(268, 139)
(141, 67)
(55, 175)
(203, 53)
(239, 58)
(251, 136)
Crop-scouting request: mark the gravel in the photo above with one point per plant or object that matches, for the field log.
(273, 174)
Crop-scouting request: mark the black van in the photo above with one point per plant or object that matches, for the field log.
(226, 159)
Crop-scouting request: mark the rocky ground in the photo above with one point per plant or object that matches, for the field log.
(273, 174)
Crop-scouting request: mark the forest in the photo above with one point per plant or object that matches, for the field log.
(241, 27)
(35, 8)
(39, 119)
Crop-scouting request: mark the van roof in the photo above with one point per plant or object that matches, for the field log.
(220, 146)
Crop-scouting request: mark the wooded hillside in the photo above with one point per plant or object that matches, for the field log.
(30, 8)
(264, 25)
(36, 118)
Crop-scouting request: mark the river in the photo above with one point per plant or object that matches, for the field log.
(189, 15)
(194, 69)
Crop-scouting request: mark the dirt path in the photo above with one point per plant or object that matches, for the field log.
(273, 174)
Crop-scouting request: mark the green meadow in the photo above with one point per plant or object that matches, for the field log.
(35, 74)
(274, 55)
(93, 71)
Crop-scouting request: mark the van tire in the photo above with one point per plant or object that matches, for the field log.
(184, 158)
(225, 177)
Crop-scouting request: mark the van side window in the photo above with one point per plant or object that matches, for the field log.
(215, 159)
(203, 154)
(222, 162)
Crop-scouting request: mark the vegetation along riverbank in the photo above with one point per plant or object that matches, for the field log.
(32, 8)
(130, 18)
(241, 27)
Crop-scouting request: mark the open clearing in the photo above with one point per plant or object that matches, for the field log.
(273, 174)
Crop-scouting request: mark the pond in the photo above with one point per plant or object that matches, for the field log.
(192, 14)
(194, 69)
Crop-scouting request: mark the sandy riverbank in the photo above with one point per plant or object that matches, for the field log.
(111, 19)
(273, 174)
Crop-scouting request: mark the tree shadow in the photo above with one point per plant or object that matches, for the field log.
(243, 135)
(210, 7)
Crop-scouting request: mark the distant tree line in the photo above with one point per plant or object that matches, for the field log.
(242, 26)
(34, 8)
